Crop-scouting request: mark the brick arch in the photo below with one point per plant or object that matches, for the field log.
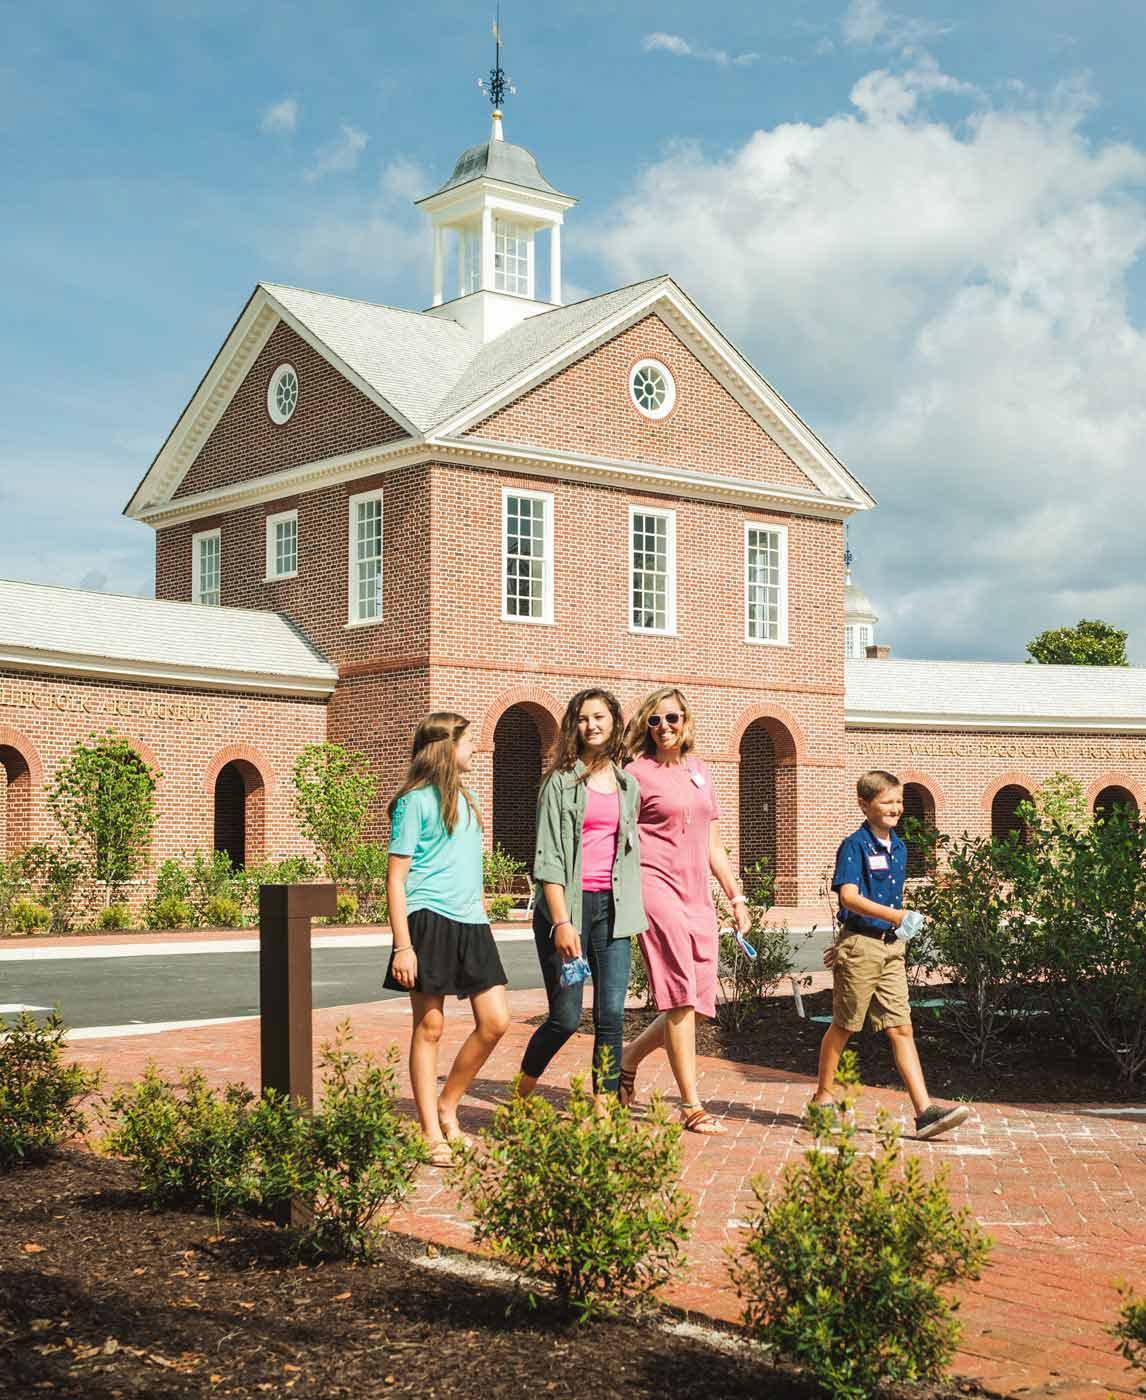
(1010, 779)
(237, 753)
(541, 705)
(791, 748)
(1122, 780)
(13, 739)
(934, 791)
(21, 776)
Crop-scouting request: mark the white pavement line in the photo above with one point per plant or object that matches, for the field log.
(1122, 1111)
(13, 1008)
(150, 1027)
(177, 948)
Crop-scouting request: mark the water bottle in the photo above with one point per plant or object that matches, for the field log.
(913, 921)
(574, 972)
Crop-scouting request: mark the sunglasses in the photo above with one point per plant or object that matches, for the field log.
(655, 721)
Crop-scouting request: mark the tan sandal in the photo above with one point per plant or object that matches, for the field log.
(453, 1134)
(441, 1153)
(695, 1118)
(627, 1087)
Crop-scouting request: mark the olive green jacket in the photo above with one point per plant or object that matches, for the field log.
(557, 857)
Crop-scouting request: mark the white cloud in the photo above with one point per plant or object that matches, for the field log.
(339, 155)
(280, 116)
(946, 302)
(866, 23)
(675, 44)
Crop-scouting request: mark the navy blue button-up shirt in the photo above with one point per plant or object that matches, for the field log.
(878, 874)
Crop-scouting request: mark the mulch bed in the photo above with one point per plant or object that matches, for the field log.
(1035, 1064)
(103, 1299)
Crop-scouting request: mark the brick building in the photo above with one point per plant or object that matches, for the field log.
(489, 504)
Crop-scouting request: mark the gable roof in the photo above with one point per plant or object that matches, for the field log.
(992, 694)
(75, 631)
(437, 379)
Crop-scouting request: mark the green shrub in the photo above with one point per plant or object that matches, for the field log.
(366, 874)
(746, 982)
(639, 974)
(58, 875)
(353, 1158)
(1130, 1329)
(210, 875)
(500, 870)
(847, 1256)
(39, 1095)
(758, 881)
(345, 908)
(14, 885)
(223, 911)
(188, 1144)
(27, 916)
(291, 870)
(333, 789)
(114, 916)
(498, 907)
(587, 1201)
(171, 912)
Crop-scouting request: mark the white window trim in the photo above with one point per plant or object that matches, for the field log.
(782, 532)
(656, 414)
(196, 557)
(277, 418)
(669, 630)
(546, 618)
(352, 504)
(271, 521)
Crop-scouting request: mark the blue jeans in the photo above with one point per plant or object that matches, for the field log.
(609, 958)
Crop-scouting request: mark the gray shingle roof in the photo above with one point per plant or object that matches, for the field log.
(74, 630)
(976, 692)
(498, 160)
(429, 367)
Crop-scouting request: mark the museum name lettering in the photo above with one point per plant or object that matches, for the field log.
(80, 702)
(978, 748)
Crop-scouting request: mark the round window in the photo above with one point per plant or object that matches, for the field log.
(282, 393)
(652, 388)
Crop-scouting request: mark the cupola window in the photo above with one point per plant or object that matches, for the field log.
(511, 258)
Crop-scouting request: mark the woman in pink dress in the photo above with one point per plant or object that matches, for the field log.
(678, 825)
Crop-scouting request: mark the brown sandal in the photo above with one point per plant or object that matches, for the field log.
(441, 1153)
(695, 1118)
(627, 1087)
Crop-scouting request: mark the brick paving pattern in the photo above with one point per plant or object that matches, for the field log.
(1061, 1190)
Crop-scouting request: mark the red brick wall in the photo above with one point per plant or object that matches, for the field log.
(587, 408)
(332, 417)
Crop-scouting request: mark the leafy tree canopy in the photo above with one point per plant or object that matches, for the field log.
(1090, 642)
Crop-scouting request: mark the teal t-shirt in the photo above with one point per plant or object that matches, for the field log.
(446, 867)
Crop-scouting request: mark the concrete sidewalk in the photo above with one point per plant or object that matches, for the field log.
(1061, 1189)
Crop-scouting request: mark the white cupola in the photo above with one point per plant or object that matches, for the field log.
(496, 202)
(860, 618)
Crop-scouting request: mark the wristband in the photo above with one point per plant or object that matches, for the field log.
(559, 922)
(739, 899)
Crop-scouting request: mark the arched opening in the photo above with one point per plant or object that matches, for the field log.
(1004, 811)
(239, 807)
(768, 804)
(521, 743)
(919, 804)
(15, 802)
(1111, 797)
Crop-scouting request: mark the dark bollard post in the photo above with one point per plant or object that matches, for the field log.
(285, 1002)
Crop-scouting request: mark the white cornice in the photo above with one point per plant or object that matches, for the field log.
(487, 454)
(1042, 724)
(157, 673)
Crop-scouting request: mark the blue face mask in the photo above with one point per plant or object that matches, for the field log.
(574, 971)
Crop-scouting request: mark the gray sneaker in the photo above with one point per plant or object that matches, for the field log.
(936, 1119)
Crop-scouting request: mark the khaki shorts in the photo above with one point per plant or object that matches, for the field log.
(869, 984)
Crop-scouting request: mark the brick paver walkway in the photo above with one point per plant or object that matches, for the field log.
(1061, 1190)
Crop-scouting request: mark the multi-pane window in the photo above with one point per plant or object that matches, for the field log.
(857, 639)
(282, 544)
(365, 583)
(205, 567)
(471, 260)
(765, 583)
(527, 534)
(652, 551)
(511, 257)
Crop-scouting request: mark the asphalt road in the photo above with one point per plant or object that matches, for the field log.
(149, 989)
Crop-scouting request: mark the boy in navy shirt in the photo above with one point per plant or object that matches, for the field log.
(869, 975)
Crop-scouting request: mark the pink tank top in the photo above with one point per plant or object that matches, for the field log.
(599, 839)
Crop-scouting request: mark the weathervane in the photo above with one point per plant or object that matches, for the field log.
(498, 84)
(848, 555)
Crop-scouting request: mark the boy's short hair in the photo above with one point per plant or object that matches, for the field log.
(873, 782)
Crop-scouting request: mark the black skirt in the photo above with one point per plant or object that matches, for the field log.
(453, 959)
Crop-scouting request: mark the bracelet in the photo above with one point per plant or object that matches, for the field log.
(739, 899)
(559, 922)
(405, 948)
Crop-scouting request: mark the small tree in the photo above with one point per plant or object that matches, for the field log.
(333, 788)
(1059, 804)
(1089, 643)
(103, 798)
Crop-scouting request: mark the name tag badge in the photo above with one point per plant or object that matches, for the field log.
(698, 778)
(877, 861)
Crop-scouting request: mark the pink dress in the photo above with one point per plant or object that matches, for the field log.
(680, 946)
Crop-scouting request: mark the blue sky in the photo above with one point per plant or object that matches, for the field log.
(924, 223)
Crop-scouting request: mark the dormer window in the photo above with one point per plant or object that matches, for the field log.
(512, 255)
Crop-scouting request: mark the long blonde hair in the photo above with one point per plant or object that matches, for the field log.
(638, 737)
(433, 763)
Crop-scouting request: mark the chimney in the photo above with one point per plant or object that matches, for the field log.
(878, 653)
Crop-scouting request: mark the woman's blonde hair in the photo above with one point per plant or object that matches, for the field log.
(433, 763)
(639, 738)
